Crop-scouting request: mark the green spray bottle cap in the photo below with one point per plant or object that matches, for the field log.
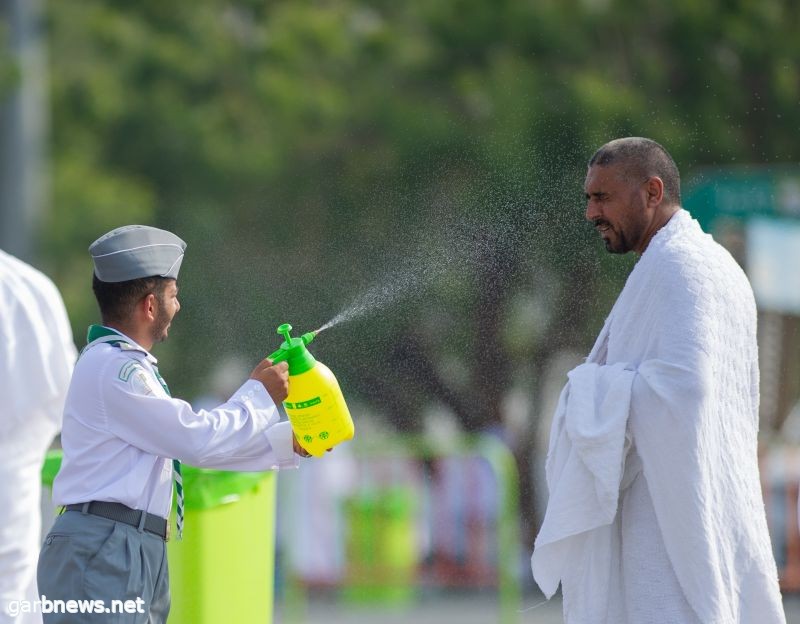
(293, 351)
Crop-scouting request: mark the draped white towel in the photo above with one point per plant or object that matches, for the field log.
(675, 373)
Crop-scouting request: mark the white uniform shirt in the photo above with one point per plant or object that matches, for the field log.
(121, 431)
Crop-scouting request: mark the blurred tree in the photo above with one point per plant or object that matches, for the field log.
(8, 68)
(311, 150)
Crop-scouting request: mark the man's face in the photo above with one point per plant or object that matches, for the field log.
(616, 206)
(168, 306)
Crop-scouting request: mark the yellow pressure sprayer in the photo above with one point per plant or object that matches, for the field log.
(315, 405)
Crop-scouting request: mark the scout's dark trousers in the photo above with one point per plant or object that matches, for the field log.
(88, 559)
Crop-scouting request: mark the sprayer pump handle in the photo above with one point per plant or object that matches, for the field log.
(284, 330)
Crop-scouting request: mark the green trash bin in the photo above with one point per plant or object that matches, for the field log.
(380, 547)
(50, 468)
(223, 568)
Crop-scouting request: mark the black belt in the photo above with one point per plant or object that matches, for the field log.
(122, 513)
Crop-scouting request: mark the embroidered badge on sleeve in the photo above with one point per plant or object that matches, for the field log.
(141, 382)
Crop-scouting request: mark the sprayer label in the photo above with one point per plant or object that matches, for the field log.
(303, 404)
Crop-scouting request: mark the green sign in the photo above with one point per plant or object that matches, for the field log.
(743, 192)
(755, 213)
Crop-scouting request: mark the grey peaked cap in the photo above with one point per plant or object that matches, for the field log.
(135, 251)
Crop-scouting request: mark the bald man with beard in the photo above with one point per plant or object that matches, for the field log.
(655, 510)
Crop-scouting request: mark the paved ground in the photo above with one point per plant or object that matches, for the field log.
(792, 606)
(462, 609)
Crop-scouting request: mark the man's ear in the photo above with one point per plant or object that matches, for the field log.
(655, 191)
(148, 307)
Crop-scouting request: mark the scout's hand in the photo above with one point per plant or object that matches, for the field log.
(299, 449)
(275, 379)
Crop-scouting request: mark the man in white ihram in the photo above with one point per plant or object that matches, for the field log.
(36, 358)
(655, 511)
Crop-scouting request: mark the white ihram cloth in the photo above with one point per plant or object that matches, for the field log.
(36, 358)
(670, 389)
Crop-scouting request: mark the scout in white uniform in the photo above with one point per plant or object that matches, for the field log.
(36, 358)
(123, 435)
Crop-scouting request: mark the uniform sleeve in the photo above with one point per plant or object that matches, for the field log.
(244, 433)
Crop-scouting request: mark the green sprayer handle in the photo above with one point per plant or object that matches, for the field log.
(278, 356)
(284, 330)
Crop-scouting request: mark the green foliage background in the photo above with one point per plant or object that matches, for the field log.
(306, 149)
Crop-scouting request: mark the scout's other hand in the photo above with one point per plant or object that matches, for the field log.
(299, 449)
(275, 379)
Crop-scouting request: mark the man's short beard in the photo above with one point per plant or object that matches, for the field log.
(161, 323)
(622, 247)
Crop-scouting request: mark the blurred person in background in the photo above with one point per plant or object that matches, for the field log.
(36, 359)
(124, 436)
(655, 510)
